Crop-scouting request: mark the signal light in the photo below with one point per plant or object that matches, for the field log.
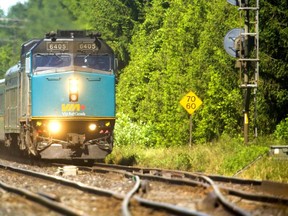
(73, 90)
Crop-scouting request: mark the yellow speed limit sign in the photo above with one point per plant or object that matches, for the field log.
(190, 102)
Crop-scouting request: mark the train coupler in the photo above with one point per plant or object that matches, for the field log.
(75, 139)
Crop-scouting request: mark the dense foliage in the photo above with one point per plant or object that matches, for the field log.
(32, 19)
(274, 62)
(165, 49)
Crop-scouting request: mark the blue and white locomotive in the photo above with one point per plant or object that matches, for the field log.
(58, 102)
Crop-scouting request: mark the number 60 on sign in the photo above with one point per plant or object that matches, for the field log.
(190, 102)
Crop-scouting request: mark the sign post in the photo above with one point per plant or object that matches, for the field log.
(190, 102)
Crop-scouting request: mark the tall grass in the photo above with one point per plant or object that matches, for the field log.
(226, 157)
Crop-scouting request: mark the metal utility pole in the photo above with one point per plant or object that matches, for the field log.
(246, 68)
(244, 43)
(249, 61)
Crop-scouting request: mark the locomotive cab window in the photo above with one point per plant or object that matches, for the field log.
(50, 61)
(97, 62)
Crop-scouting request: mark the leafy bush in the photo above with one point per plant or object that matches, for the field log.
(281, 131)
(130, 133)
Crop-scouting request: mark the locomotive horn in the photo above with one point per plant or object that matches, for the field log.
(51, 35)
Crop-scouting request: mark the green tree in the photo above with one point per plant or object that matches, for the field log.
(43, 16)
(179, 48)
(1, 13)
(274, 63)
(116, 20)
(6, 61)
(31, 20)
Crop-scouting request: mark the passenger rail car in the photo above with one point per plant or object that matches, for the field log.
(58, 102)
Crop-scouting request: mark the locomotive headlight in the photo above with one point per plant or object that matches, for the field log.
(73, 86)
(92, 127)
(54, 126)
(73, 90)
(73, 97)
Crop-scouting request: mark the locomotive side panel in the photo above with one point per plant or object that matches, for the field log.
(2, 110)
(11, 124)
(24, 111)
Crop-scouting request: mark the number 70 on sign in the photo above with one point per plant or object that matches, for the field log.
(190, 102)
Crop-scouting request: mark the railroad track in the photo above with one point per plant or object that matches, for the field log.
(215, 195)
(141, 191)
(58, 194)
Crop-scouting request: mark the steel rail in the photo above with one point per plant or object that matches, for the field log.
(230, 191)
(94, 190)
(193, 179)
(126, 200)
(228, 205)
(255, 197)
(156, 176)
(183, 174)
(153, 204)
(169, 207)
(42, 200)
(66, 182)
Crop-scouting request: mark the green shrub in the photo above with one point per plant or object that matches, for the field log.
(281, 132)
(130, 133)
(183, 161)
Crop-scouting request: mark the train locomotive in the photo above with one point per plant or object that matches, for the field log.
(58, 102)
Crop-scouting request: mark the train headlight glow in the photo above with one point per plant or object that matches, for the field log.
(92, 127)
(73, 90)
(73, 86)
(73, 97)
(54, 126)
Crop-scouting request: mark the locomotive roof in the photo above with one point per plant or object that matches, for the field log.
(13, 69)
(37, 45)
(78, 36)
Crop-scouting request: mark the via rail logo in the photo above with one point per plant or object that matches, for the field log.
(73, 109)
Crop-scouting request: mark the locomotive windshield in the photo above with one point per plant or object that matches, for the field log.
(48, 61)
(66, 54)
(97, 62)
(44, 62)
